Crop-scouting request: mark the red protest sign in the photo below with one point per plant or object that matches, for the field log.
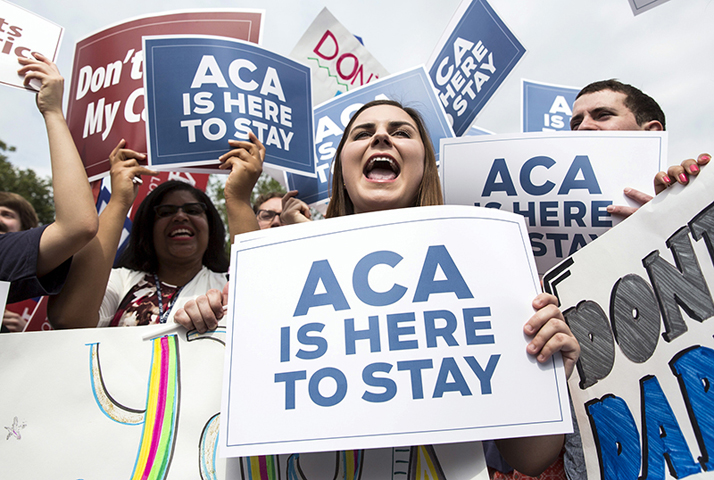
(106, 99)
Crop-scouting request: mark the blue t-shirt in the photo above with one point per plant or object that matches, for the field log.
(18, 265)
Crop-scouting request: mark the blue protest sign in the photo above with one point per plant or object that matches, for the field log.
(202, 91)
(471, 61)
(546, 107)
(411, 88)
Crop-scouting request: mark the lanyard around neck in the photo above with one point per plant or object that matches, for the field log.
(164, 316)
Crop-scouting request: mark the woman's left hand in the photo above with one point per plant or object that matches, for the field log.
(550, 333)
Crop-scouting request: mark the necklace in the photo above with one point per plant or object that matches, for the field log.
(164, 315)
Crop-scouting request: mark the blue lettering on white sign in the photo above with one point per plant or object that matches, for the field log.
(397, 331)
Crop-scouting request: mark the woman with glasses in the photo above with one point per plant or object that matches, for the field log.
(176, 250)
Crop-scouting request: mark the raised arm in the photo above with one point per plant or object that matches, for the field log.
(550, 334)
(76, 217)
(245, 162)
(77, 305)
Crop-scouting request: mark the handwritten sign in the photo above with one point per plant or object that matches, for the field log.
(338, 61)
(639, 300)
(562, 182)
(424, 339)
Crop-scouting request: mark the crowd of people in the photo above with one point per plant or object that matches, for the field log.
(174, 267)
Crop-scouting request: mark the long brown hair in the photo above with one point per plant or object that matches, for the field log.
(429, 192)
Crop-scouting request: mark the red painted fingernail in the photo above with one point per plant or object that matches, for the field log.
(666, 179)
(694, 169)
(706, 157)
(683, 178)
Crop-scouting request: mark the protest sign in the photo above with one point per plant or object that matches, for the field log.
(640, 6)
(134, 402)
(21, 33)
(338, 61)
(106, 90)
(202, 91)
(471, 60)
(411, 88)
(147, 409)
(561, 182)
(639, 302)
(421, 340)
(546, 107)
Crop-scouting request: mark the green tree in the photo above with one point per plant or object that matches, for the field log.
(25, 182)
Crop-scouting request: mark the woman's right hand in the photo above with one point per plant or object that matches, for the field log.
(245, 162)
(204, 312)
(125, 169)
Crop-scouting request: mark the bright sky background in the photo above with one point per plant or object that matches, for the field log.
(668, 52)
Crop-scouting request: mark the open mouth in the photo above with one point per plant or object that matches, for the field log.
(181, 233)
(381, 169)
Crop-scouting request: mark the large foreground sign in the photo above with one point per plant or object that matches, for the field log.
(639, 300)
(421, 341)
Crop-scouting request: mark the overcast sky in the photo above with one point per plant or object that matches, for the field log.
(668, 52)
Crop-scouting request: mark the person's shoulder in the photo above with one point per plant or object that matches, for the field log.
(213, 277)
(125, 276)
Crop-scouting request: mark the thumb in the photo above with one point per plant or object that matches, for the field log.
(226, 287)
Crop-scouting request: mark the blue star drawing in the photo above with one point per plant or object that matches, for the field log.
(14, 431)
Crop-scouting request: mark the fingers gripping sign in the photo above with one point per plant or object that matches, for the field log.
(245, 162)
(204, 312)
(680, 173)
(126, 172)
(550, 333)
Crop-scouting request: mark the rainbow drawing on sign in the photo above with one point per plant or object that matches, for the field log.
(161, 414)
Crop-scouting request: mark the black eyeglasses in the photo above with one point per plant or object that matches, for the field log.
(193, 209)
(267, 215)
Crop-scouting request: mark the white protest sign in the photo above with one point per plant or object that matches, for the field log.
(562, 182)
(640, 6)
(639, 300)
(99, 392)
(105, 403)
(409, 320)
(21, 33)
(338, 61)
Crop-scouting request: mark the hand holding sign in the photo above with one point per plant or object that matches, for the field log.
(680, 173)
(125, 171)
(550, 333)
(40, 68)
(245, 163)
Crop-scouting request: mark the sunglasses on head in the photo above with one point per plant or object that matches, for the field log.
(194, 209)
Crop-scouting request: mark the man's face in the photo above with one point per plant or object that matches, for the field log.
(9, 220)
(605, 110)
(270, 208)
